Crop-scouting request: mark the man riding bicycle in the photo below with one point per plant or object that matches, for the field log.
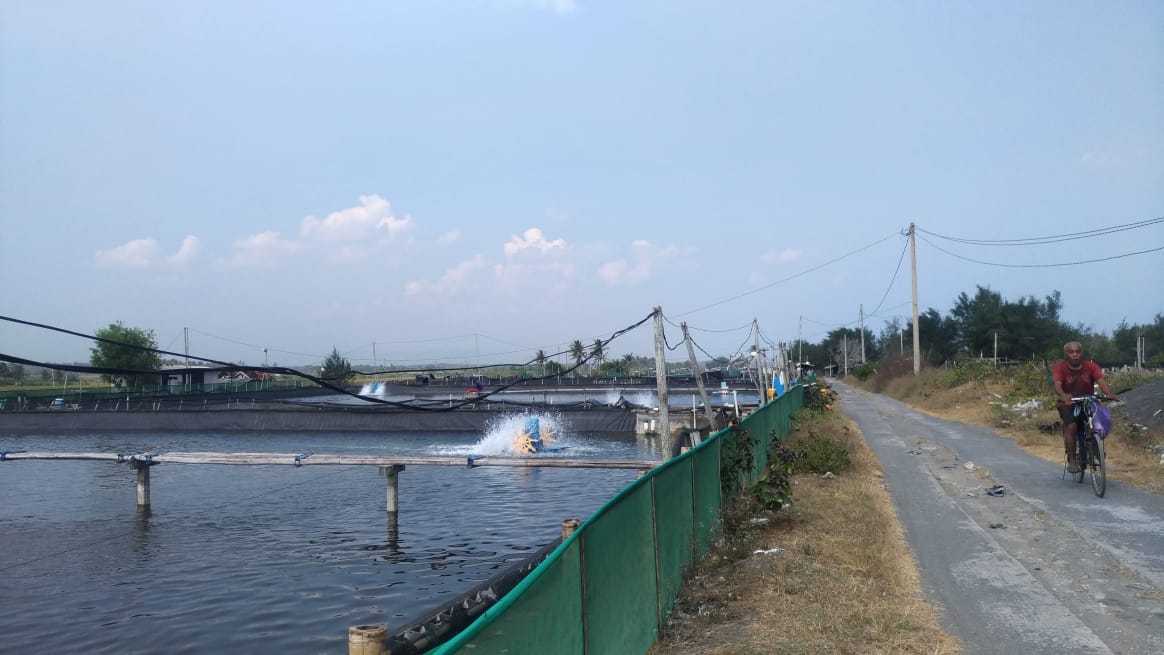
(1075, 376)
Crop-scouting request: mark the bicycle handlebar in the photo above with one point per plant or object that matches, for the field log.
(1099, 398)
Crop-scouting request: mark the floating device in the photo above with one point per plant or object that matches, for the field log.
(531, 438)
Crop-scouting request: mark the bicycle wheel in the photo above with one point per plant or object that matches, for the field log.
(1097, 463)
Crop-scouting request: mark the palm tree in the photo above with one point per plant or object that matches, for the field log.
(626, 363)
(540, 359)
(597, 352)
(577, 352)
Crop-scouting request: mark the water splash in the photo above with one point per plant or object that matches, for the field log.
(501, 434)
(374, 389)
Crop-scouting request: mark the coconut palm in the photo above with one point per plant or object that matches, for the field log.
(540, 359)
(577, 352)
(597, 353)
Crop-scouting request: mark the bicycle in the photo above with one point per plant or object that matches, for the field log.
(1089, 444)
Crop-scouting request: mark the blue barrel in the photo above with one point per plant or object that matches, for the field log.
(533, 427)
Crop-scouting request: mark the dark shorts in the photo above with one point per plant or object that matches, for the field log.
(1067, 415)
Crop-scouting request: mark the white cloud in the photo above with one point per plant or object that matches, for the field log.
(645, 260)
(263, 248)
(533, 240)
(455, 279)
(138, 253)
(782, 257)
(450, 236)
(189, 249)
(354, 223)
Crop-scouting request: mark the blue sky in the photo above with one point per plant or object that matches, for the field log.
(475, 180)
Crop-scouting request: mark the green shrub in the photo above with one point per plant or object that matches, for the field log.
(773, 489)
(864, 371)
(819, 455)
(736, 459)
(819, 397)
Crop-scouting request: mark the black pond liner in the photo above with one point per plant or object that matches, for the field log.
(440, 624)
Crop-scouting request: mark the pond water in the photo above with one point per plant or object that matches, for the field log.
(269, 558)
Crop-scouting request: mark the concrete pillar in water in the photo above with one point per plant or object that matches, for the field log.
(569, 526)
(143, 484)
(391, 472)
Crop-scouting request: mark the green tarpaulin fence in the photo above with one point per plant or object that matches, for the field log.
(607, 589)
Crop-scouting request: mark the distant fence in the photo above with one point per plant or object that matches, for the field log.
(89, 396)
(608, 588)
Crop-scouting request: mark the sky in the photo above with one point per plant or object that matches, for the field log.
(474, 180)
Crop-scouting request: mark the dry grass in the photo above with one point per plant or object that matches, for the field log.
(845, 581)
(982, 402)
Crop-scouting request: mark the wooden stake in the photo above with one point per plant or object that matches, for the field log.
(569, 526)
(366, 639)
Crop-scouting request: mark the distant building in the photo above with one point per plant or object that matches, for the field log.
(205, 376)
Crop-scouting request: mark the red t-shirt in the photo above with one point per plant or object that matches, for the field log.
(1080, 382)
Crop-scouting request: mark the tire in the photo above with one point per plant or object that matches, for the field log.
(1097, 461)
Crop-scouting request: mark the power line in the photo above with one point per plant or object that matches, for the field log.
(1056, 238)
(894, 279)
(1071, 263)
(322, 382)
(790, 277)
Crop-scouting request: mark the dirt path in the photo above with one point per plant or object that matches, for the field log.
(1045, 568)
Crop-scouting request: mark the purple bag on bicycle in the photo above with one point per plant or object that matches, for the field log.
(1101, 421)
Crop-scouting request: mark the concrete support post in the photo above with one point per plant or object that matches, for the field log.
(143, 484)
(391, 471)
(569, 526)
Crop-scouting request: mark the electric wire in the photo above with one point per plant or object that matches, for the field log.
(1047, 239)
(1071, 263)
(789, 278)
(280, 370)
(893, 279)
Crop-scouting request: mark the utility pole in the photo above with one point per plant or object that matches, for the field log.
(661, 382)
(862, 322)
(996, 348)
(185, 376)
(800, 342)
(913, 272)
(845, 350)
(760, 383)
(699, 380)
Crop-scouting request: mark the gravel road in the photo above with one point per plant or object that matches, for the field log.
(1047, 567)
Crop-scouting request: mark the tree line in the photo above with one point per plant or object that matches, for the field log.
(984, 325)
(1025, 328)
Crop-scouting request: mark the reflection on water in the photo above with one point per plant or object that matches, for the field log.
(265, 558)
